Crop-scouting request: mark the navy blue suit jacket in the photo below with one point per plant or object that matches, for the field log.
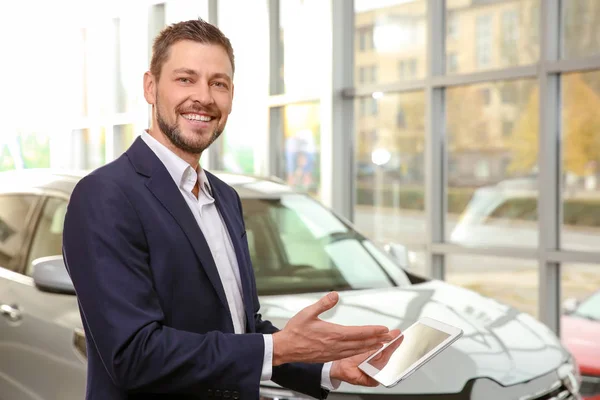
(153, 307)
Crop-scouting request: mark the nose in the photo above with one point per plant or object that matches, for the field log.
(202, 94)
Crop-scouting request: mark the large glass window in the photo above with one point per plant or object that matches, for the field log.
(492, 133)
(123, 137)
(390, 168)
(581, 161)
(301, 45)
(511, 281)
(15, 214)
(247, 27)
(393, 35)
(581, 28)
(491, 35)
(300, 156)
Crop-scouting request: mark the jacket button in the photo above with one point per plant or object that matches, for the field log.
(217, 393)
(236, 395)
(209, 392)
(226, 394)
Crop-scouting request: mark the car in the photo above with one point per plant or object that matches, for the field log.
(580, 332)
(300, 250)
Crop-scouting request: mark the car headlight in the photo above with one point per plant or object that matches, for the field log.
(281, 394)
(570, 375)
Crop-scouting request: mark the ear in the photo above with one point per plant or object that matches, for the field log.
(150, 88)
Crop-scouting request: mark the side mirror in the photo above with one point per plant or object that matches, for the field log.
(50, 275)
(570, 305)
(399, 253)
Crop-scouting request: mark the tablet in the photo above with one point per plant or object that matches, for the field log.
(418, 344)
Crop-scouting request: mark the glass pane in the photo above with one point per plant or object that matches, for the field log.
(581, 28)
(130, 63)
(580, 321)
(300, 155)
(242, 144)
(302, 46)
(390, 141)
(511, 281)
(88, 146)
(491, 35)
(124, 135)
(15, 214)
(581, 161)
(390, 40)
(492, 133)
(24, 149)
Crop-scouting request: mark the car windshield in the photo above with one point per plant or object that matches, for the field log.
(590, 308)
(299, 246)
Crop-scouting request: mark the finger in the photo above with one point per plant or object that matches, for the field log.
(350, 333)
(394, 333)
(368, 381)
(339, 354)
(325, 303)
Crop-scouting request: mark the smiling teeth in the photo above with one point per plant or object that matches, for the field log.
(195, 117)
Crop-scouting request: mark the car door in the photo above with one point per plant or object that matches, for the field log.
(16, 219)
(47, 360)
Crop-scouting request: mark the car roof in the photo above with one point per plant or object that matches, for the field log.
(62, 180)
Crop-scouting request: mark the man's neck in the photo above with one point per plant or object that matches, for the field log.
(192, 159)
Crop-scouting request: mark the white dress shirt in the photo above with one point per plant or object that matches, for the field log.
(215, 231)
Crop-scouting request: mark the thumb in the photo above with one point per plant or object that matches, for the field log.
(325, 303)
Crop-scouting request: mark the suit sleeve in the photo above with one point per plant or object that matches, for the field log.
(300, 377)
(106, 254)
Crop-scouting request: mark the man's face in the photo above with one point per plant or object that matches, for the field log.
(192, 99)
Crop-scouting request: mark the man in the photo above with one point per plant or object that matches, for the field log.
(157, 252)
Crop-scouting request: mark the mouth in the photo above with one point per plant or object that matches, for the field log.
(197, 119)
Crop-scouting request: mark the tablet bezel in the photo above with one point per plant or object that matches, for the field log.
(453, 332)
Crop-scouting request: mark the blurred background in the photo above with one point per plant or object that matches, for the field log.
(466, 130)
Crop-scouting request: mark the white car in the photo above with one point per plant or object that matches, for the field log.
(300, 250)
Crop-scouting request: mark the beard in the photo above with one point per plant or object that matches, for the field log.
(175, 136)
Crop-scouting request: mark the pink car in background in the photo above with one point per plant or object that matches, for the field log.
(580, 332)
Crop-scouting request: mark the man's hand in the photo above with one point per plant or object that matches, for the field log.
(306, 338)
(347, 369)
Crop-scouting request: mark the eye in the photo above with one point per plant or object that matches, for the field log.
(184, 80)
(220, 84)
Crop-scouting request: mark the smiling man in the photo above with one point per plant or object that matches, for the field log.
(156, 248)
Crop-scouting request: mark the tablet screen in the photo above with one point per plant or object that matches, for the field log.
(404, 351)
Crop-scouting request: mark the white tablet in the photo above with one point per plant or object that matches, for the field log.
(419, 343)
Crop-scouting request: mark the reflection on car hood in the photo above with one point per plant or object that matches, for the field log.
(498, 342)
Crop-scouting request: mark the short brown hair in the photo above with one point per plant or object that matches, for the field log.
(196, 30)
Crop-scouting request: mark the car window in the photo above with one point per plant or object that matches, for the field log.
(47, 239)
(298, 246)
(590, 308)
(15, 214)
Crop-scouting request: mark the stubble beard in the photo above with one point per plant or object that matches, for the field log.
(173, 133)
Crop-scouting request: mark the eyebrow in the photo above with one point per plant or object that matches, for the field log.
(190, 71)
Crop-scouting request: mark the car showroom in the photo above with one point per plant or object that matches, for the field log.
(435, 163)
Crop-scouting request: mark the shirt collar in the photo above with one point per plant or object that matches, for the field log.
(181, 172)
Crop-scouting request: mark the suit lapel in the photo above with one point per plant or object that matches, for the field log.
(228, 213)
(166, 191)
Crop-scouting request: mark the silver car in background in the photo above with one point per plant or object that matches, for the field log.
(300, 250)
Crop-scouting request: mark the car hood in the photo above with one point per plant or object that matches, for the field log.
(499, 342)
